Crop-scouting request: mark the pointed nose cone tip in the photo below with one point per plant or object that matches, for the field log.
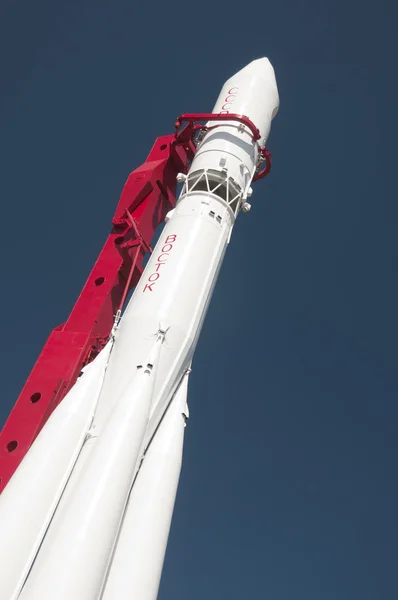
(260, 67)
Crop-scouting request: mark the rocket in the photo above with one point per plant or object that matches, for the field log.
(87, 514)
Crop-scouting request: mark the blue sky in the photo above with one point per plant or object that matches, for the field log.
(289, 485)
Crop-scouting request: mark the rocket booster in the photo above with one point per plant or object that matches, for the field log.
(137, 564)
(102, 502)
(29, 501)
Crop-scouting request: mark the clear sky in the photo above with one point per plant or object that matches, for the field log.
(289, 488)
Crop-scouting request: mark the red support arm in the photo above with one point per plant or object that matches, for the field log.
(193, 117)
(149, 193)
(193, 126)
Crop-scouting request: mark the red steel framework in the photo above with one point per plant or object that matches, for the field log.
(148, 194)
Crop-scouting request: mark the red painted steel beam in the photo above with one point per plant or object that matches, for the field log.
(194, 117)
(148, 194)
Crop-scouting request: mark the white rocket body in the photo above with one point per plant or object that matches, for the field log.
(90, 507)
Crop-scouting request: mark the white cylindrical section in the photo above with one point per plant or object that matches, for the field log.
(172, 294)
(137, 564)
(228, 147)
(32, 495)
(74, 558)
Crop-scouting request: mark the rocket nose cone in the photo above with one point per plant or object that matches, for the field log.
(252, 92)
(262, 68)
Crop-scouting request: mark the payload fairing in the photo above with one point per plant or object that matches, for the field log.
(88, 512)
